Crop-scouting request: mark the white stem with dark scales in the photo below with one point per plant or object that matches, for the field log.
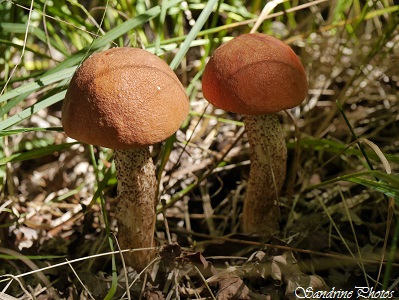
(136, 198)
(268, 154)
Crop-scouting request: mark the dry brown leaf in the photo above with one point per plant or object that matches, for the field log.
(231, 287)
(153, 295)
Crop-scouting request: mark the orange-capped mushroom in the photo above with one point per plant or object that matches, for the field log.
(124, 98)
(258, 75)
(127, 99)
(254, 74)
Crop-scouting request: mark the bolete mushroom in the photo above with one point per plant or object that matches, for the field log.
(127, 99)
(258, 75)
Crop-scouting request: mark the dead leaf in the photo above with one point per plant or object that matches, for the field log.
(231, 287)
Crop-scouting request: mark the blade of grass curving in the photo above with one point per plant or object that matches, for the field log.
(25, 130)
(21, 79)
(392, 179)
(27, 49)
(203, 17)
(338, 148)
(26, 113)
(354, 135)
(40, 83)
(379, 153)
(15, 28)
(267, 9)
(12, 103)
(388, 184)
(35, 153)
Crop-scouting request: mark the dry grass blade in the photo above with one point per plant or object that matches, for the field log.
(378, 151)
(267, 9)
(35, 269)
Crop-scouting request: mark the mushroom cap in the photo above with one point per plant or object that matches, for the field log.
(124, 98)
(254, 74)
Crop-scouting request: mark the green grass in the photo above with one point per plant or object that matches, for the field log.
(342, 182)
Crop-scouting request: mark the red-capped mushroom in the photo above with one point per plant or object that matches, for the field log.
(258, 75)
(127, 99)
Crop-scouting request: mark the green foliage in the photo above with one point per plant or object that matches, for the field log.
(35, 153)
(387, 184)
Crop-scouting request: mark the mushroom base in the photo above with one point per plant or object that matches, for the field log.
(136, 198)
(268, 154)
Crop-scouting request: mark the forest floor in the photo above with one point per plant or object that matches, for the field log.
(339, 225)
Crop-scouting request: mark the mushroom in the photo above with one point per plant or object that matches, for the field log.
(127, 99)
(258, 75)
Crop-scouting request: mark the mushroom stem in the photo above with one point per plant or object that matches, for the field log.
(135, 212)
(268, 154)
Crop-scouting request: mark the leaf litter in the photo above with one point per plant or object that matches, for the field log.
(49, 210)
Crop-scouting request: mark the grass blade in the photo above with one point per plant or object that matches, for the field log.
(26, 113)
(193, 33)
(35, 153)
